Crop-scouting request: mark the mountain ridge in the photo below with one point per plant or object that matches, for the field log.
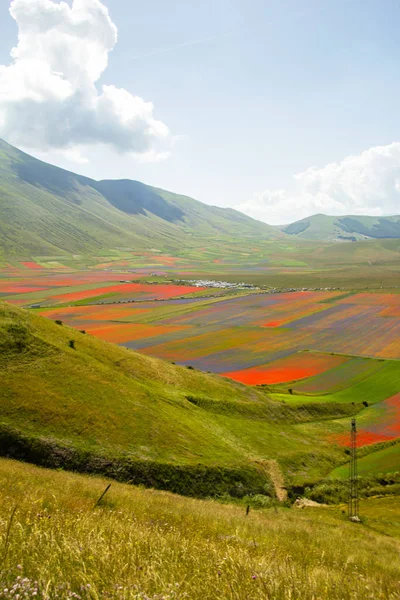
(46, 210)
(321, 227)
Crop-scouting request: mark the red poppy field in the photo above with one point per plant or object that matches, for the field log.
(379, 424)
(32, 265)
(126, 290)
(295, 367)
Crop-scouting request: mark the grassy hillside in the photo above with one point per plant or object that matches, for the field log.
(386, 460)
(148, 545)
(346, 228)
(103, 408)
(45, 210)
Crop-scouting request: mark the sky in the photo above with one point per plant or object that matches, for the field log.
(278, 108)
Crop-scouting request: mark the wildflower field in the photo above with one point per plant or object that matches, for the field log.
(306, 346)
(255, 337)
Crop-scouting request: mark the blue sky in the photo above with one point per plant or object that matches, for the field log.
(252, 93)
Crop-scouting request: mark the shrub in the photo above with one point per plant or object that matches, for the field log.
(71, 344)
(259, 501)
(58, 322)
(18, 336)
(200, 481)
(192, 400)
(336, 491)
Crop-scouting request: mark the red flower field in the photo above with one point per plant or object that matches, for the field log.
(382, 423)
(292, 368)
(31, 265)
(364, 438)
(153, 291)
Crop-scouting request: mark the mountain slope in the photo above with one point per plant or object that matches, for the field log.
(45, 210)
(63, 405)
(346, 228)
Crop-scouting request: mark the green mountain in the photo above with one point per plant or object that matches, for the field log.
(346, 228)
(45, 210)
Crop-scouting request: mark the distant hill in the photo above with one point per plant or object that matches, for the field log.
(347, 228)
(45, 210)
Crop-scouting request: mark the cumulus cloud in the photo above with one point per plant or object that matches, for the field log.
(367, 183)
(48, 94)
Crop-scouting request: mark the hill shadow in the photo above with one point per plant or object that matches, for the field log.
(133, 197)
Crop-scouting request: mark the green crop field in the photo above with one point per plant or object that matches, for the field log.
(381, 461)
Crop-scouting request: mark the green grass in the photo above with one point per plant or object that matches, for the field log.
(144, 544)
(386, 460)
(325, 270)
(382, 515)
(341, 377)
(376, 386)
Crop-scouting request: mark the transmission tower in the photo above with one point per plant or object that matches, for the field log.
(353, 475)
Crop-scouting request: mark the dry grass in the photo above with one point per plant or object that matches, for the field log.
(143, 544)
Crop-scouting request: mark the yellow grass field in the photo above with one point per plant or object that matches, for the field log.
(147, 545)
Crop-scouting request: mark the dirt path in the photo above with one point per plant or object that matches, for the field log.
(277, 479)
(272, 468)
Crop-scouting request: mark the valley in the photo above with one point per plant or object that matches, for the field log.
(208, 367)
(330, 352)
(199, 300)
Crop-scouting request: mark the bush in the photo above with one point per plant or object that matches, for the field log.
(336, 491)
(71, 344)
(200, 481)
(259, 501)
(17, 335)
(58, 322)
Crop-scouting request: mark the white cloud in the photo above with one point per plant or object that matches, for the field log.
(367, 183)
(48, 94)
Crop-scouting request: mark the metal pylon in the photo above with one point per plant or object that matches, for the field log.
(353, 475)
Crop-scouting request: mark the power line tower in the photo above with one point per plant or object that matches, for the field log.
(353, 475)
